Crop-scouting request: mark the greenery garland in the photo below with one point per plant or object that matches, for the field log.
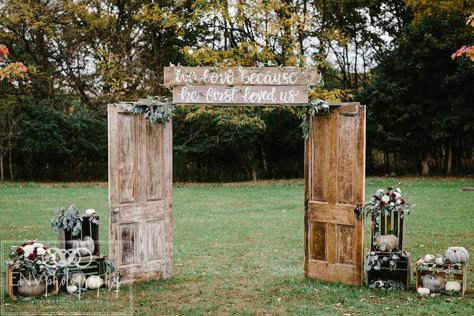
(156, 109)
(315, 107)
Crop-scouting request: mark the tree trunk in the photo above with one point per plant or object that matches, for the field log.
(449, 159)
(425, 167)
(1, 164)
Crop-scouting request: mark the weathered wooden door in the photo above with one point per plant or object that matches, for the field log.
(334, 187)
(140, 196)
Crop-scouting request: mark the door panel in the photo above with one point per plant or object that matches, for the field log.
(140, 200)
(334, 186)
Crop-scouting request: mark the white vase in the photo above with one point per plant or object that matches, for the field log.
(31, 286)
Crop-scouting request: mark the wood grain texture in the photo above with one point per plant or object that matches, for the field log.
(334, 180)
(140, 201)
(240, 76)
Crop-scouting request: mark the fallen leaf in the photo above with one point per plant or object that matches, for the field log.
(362, 299)
(279, 299)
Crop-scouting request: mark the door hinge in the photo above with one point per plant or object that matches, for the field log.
(115, 215)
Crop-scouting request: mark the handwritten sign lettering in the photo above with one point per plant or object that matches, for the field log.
(258, 76)
(240, 94)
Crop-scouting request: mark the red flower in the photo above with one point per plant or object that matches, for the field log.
(19, 251)
(382, 203)
(393, 195)
(402, 201)
(45, 248)
(27, 243)
(32, 256)
(375, 197)
(388, 193)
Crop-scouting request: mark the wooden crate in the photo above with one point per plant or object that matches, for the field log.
(448, 271)
(399, 274)
(392, 223)
(94, 265)
(88, 229)
(12, 279)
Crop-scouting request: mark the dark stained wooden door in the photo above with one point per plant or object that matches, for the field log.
(140, 196)
(334, 186)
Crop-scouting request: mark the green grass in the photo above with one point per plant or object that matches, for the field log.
(239, 250)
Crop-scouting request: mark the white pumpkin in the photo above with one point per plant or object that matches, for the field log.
(428, 258)
(71, 289)
(434, 282)
(94, 282)
(84, 247)
(439, 260)
(77, 278)
(387, 242)
(423, 291)
(453, 286)
(457, 255)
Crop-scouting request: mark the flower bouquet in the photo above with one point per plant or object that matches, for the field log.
(387, 201)
(36, 267)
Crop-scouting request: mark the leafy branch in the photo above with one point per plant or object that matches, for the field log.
(158, 110)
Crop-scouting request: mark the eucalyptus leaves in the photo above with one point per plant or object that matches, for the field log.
(70, 219)
(158, 110)
(315, 107)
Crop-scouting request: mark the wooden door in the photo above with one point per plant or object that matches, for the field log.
(140, 196)
(334, 186)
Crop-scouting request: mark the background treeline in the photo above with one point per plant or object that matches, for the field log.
(393, 56)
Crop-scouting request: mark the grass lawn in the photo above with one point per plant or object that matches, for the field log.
(239, 250)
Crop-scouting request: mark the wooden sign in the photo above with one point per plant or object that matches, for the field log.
(256, 95)
(240, 76)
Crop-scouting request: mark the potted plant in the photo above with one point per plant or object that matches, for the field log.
(36, 268)
(69, 223)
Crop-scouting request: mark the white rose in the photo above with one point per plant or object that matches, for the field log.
(380, 191)
(399, 202)
(385, 198)
(90, 211)
(28, 249)
(392, 204)
(398, 190)
(40, 251)
(37, 245)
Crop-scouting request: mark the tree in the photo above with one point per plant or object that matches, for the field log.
(467, 51)
(12, 72)
(419, 100)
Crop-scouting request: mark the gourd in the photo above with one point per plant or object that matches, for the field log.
(428, 258)
(439, 260)
(453, 286)
(423, 291)
(85, 247)
(94, 282)
(387, 242)
(78, 279)
(434, 282)
(71, 289)
(457, 255)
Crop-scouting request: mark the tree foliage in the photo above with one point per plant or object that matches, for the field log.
(84, 54)
(419, 100)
